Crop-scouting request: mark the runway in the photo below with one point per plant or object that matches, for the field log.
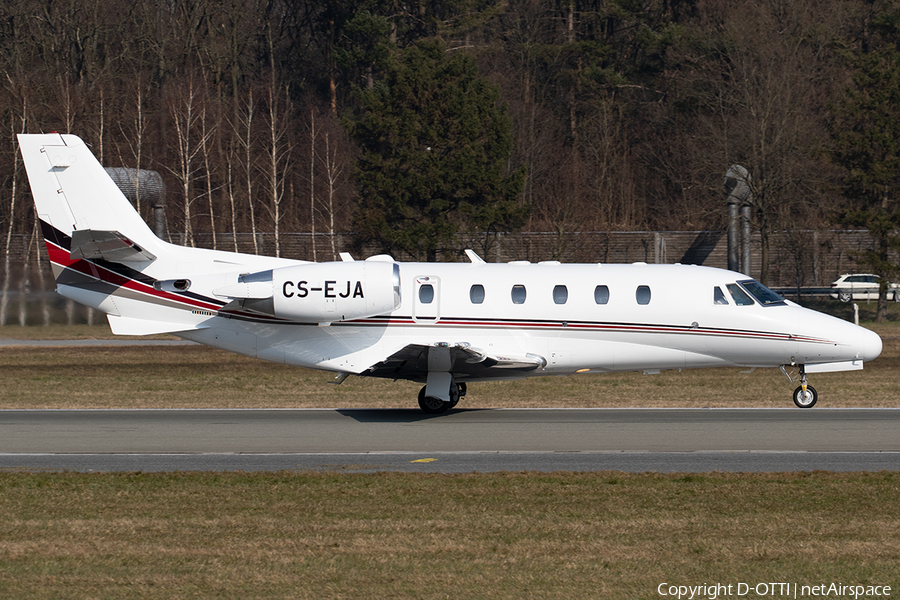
(665, 440)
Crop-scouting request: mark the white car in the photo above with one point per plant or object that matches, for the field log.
(861, 286)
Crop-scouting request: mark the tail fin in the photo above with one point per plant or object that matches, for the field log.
(80, 208)
(104, 256)
(99, 247)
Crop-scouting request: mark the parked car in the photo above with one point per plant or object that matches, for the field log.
(861, 286)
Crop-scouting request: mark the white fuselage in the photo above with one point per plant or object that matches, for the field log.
(681, 326)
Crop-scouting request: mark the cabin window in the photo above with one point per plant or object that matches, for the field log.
(601, 294)
(476, 293)
(426, 294)
(719, 296)
(642, 294)
(740, 297)
(518, 294)
(560, 294)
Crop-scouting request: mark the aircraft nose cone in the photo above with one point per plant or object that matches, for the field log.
(847, 342)
(871, 345)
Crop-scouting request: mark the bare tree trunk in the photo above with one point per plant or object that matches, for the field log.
(209, 178)
(45, 308)
(332, 172)
(66, 89)
(312, 179)
(100, 135)
(186, 111)
(4, 299)
(247, 145)
(276, 194)
(230, 183)
(25, 286)
(279, 148)
(183, 124)
(136, 142)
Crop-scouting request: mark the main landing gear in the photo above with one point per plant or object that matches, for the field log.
(435, 406)
(805, 396)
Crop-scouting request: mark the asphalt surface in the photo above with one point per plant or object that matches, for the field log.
(636, 440)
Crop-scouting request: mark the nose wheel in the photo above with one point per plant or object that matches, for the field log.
(805, 396)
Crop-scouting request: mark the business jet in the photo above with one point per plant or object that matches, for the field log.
(444, 325)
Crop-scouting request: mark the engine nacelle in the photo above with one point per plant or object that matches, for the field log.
(321, 292)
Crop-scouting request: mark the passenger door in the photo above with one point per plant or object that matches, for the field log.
(427, 300)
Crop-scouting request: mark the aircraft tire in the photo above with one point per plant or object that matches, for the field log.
(457, 391)
(432, 406)
(811, 397)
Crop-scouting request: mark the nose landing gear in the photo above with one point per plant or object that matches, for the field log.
(805, 396)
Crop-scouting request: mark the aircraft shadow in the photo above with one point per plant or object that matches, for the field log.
(399, 415)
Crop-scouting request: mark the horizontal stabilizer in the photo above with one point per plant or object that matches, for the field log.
(132, 326)
(106, 245)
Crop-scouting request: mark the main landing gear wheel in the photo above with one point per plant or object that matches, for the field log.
(436, 406)
(457, 391)
(805, 399)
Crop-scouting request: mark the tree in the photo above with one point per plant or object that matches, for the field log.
(866, 134)
(434, 151)
(753, 92)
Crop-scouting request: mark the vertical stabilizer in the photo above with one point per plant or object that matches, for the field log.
(72, 192)
(102, 253)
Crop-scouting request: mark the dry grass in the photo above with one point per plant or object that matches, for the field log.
(196, 376)
(310, 535)
(394, 535)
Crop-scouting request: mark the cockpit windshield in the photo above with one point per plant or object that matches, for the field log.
(761, 293)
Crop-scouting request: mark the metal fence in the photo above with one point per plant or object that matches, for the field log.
(796, 258)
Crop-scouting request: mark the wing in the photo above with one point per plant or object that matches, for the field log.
(461, 360)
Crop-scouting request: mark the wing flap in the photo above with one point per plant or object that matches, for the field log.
(465, 362)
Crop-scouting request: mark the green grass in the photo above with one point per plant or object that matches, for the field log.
(512, 535)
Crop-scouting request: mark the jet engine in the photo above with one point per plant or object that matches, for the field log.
(320, 292)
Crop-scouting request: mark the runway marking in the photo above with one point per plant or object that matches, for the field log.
(423, 460)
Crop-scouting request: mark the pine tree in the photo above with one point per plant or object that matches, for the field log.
(866, 138)
(434, 152)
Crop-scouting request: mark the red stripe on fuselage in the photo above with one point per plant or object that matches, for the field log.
(61, 257)
(620, 327)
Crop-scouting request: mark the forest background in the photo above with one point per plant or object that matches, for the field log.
(604, 115)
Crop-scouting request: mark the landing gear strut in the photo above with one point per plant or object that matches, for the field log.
(436, 406)
(805, 396)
